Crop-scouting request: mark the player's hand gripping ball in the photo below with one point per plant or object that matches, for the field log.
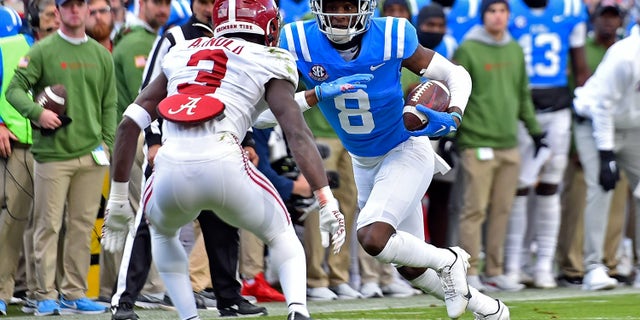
(431, 94)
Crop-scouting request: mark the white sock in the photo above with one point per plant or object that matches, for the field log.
(287, 256)
(515, 235)
(547, 224)
(406, 249)
(173, 266)
(429, 282)
(481, 303)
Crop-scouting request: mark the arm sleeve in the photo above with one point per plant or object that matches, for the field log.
(457, 78)
(613, 75)
(109, 107)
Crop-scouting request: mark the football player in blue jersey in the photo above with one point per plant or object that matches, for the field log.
(392, 166)
(550, 33)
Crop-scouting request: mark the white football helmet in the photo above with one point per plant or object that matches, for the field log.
(358, 22)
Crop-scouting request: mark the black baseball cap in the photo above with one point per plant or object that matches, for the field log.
(610, 7)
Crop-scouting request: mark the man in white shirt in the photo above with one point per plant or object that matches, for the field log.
(606, 134)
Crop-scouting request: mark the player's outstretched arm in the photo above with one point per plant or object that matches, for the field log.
(279, 96)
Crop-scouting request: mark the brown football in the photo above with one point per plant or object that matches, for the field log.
(53, 98)
(433, 95)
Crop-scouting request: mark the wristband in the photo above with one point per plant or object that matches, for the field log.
(318, 93)
(138, 114)
(302, 101)
(119, 191)
(323, 195)
(457, 115)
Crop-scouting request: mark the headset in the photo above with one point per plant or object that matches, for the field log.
(33, 13)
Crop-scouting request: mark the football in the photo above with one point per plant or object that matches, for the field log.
(433, 95)
(53, 98)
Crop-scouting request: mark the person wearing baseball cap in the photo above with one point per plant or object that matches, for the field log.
(496, 64)
(70, 163)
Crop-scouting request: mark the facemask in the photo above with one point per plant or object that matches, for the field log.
(430, 39)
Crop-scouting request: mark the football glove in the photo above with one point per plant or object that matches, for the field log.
(440, 123)
(353, 83)
(332, 225)
(609, 173)
(118, 218)
(539, 142)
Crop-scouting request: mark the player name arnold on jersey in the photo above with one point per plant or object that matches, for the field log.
(225, 43)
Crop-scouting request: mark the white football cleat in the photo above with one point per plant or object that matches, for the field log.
(454, 282)
(501, 314)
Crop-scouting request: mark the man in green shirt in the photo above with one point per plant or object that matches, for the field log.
(70, 164)
(488, 140)
(132, 46)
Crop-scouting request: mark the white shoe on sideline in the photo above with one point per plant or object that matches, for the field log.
(598, 279)
(544, 280)
(502, 283)
(398, 289)
(371, 290)
(321, 294)
(344, 291)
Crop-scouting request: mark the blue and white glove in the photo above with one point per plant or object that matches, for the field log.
(352, 83)
(118, 218)
(440, 123)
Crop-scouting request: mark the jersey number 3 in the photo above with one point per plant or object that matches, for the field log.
(214, 66)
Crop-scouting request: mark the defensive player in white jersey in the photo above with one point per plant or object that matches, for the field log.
(392, 167)
(551, 33)
(606, 135)
(216, 89)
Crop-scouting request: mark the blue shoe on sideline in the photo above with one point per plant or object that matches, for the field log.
(47, 308)
(81, 306)
(3, 308)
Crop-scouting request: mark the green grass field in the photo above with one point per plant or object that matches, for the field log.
(621, 303)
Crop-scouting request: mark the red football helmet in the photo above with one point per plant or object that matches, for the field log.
(247, 16)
